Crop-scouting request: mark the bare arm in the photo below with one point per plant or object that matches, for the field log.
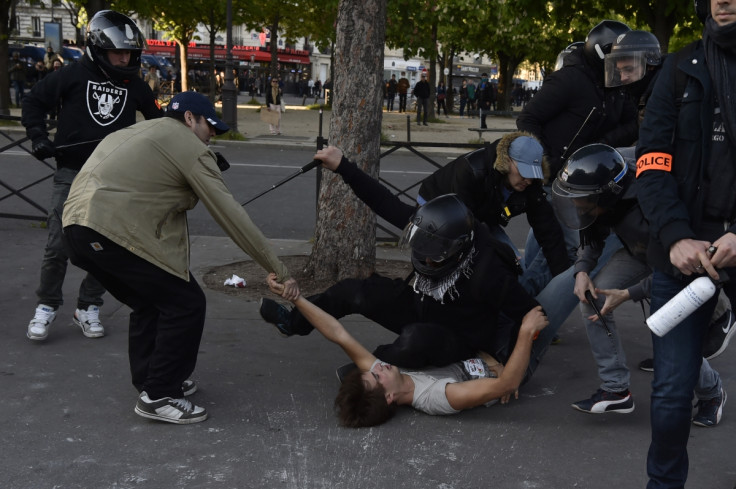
(328, 326)
(472, 393)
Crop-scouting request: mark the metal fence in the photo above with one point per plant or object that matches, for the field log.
(19, 185)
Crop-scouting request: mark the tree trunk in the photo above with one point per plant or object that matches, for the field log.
(345, 239)
(5, 7)
(507, 65)
(183, 52)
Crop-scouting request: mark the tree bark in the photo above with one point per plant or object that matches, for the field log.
(345, 240)
(507, 65)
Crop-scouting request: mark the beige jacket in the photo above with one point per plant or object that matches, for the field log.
(138, 184)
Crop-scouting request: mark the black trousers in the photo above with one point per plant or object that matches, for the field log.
(167, 317)
(390, 303)
(402, 102)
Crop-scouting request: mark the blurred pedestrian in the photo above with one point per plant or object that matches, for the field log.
(17, 72)
(273, 105)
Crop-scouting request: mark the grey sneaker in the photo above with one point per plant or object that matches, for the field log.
(178, 411)
(89, 321)
(38, 328)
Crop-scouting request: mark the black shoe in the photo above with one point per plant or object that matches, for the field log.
(343, 371)
(647, 365)
(719, 335)
(425, 123)
(556, 340)
(276, 314)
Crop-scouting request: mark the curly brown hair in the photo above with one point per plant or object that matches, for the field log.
(359, 407)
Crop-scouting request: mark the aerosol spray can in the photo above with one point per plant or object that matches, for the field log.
(697, 293)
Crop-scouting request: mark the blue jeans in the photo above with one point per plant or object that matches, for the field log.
(677, 362)
(55, 261)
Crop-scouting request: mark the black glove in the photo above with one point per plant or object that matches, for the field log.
(43, 148)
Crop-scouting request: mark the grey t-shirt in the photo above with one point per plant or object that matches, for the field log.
(429, 384)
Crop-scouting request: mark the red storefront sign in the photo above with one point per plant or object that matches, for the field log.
(240, 53)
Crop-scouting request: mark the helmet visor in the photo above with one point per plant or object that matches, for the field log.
(121, 37)
(625, 68)
(425, 245)
(574, 210)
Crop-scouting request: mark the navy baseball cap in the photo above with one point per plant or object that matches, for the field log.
(198, 104)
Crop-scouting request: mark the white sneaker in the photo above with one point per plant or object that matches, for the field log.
(38, 328)
(89, 321)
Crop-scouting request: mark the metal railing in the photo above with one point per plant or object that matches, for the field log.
(9, 140)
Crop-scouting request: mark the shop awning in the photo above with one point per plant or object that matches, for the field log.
(240, 53)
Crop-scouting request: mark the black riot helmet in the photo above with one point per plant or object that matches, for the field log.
(569, 49)
(630, 56)
(600, 39)
(109, 30)
(440, 234)
(595, 176)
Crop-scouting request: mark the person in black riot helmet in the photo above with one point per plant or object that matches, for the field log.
(595, 194)
(633, 64)
(569, 49)
(440, 236)
(574, 108)
(464, 280)
(108, 33)
(633, 59)
(95, 97)
(568, 111)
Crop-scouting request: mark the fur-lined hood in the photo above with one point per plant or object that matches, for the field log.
(503, 162)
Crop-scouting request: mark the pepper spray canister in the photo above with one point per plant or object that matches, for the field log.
(697, 293)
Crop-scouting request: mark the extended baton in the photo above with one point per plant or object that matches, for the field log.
(304, 169)
(585, 123)
(65, 146)
(589, 296)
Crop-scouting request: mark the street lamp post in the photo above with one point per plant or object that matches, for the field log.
(229, 93)
(254, 74)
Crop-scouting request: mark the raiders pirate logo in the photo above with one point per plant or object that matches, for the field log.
(105, 102)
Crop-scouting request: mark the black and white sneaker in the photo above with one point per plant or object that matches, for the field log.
(276, 314)
(178, 411)
(188, 387)
(606, 402)
(719, 334)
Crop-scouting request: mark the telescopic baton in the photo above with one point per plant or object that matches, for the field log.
(304, 169)
(574, 138)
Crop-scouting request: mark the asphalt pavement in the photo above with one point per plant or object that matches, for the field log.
(67, 409)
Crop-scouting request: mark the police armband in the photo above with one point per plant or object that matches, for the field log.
(653, 161)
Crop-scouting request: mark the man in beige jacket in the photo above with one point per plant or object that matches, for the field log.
(125, 222)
